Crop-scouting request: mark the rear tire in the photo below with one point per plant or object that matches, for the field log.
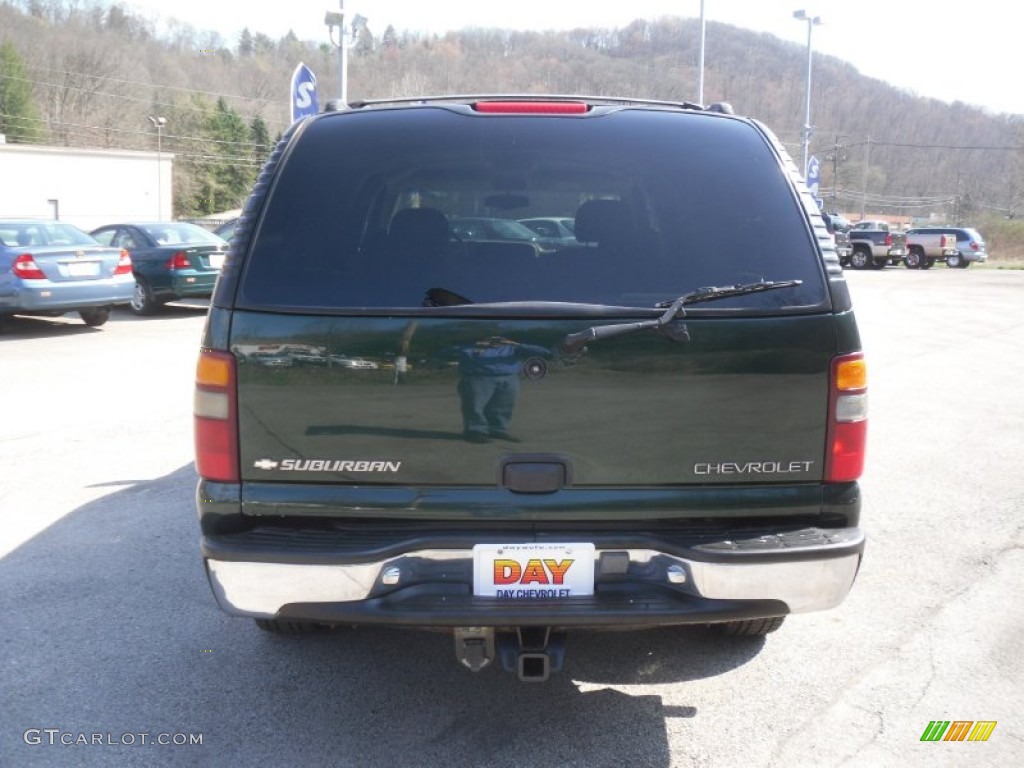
(914, 259)
(94, 317)
(143, 301)
(927, 263)
(955, 261)
(750, 627)
(287, 627)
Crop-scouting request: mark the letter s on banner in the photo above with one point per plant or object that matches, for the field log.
(303, 94)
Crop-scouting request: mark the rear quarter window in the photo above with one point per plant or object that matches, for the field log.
(365, 207)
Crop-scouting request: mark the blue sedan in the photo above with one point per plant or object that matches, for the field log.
(51, 268)
(171, 260)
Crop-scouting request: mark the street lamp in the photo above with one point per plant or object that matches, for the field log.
(812, 22)
(159, 123)
(700, 65)
(337, 19)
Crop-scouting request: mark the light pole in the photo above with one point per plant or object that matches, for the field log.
(159, 123)
(700, 65)
(812, 22)
(337, 19)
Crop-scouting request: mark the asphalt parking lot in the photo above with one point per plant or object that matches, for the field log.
(110, 630)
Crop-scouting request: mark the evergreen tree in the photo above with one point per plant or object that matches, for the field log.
(259, 135)
(18, 116)
(246, 44)
(232, 173)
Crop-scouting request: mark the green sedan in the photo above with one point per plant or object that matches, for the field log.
(170, 260)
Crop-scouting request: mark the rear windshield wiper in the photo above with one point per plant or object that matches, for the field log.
(665, 324)
(711, 294)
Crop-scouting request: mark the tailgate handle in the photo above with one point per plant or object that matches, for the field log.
(536, 473)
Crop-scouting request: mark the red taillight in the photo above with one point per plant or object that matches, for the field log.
(532, 107)
(974, 246)
(124, 264)
(888, 239)
(179, 261)
(25, 267)
(847, 419)
(216, 417)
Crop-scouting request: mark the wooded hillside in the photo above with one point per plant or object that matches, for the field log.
(80, 74)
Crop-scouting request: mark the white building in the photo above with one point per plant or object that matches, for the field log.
(84, 187)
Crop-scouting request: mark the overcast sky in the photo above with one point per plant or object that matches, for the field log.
(971, 52)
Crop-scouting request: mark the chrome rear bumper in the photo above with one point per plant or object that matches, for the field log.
(801, 579)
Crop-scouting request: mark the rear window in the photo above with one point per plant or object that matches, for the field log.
(25, 233)
(415, 207)
(176, 233)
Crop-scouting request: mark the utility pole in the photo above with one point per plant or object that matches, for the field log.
(958, 210)
(867, 163)
(836, 156)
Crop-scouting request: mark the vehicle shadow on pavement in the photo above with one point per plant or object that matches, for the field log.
(166, 311)
(111, 628)
(23, 328)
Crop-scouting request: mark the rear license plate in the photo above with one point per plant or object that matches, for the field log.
(216, 260)
(533, 571)
(83, 269)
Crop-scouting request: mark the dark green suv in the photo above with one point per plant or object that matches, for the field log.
(661, 422)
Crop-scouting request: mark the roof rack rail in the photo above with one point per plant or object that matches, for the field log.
(336, 106)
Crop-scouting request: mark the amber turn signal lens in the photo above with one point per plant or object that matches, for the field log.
(213, 371)
(851, 375)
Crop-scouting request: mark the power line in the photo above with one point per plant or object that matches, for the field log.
(151, 103)
(79, 141)
(996, 148)
(215, 94)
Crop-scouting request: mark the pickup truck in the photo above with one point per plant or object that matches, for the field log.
(925, 247)
(839, 228)
(875, 248)
(957, 246)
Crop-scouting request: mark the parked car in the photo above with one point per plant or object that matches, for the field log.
(959, 246)
(556, 229)
(227, 229)
(839, 228)
(51, 268)
(490, 228)
(170, 260)
(839, 222)
(599, 437)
